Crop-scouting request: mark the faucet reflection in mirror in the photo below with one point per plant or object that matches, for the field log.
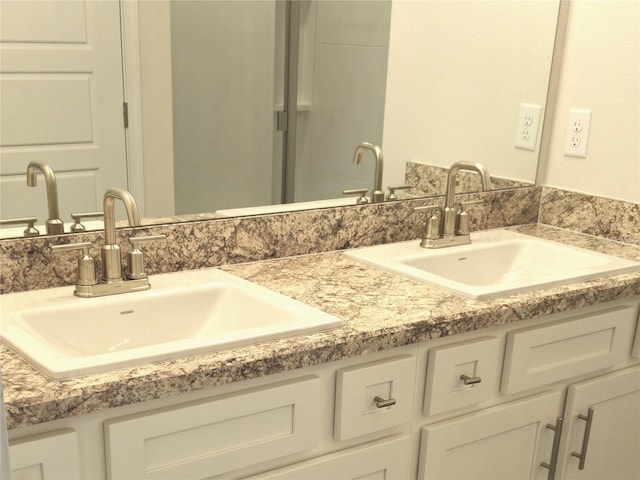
(377, 195)
(111, 281)
(54, 223)
(448, 226)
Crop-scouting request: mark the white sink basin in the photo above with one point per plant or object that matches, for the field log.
(184, 313)
(497, 262)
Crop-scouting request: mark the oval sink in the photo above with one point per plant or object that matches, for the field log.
(184, 313)
(497, 262)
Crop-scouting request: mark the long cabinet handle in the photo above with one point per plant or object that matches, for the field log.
(585, 438)
(553, 463)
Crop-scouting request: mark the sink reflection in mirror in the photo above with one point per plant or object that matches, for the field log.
(185, 313)
(496, 263)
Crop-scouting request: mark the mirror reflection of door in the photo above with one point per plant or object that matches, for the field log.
(229, 83)
(61, 103)
(62, 95)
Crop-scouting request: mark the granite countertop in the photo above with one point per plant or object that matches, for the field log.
(379, 311)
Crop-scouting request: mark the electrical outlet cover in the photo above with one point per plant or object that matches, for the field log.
(577, 133)
(527, 128)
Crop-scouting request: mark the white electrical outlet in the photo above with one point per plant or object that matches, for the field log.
(577, 133)
(527, 129)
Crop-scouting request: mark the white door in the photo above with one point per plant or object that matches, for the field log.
(613, 446)
(505, 442)
(61, 96)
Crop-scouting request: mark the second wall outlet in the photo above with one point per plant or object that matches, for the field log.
(577, 133)
(527, 128)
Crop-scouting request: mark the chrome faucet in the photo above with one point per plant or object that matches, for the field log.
(450, 212)
(377, 195)
(111, 260)
(111, 280)
(54, 223)
(448, 226)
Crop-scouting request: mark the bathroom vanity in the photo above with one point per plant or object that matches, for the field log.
(416, 383)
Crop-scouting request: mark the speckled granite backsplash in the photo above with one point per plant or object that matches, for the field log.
(28, 264)
(601, 217)
(430, 180)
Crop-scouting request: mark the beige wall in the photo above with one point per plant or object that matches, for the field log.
(458, 72)
(600, 70)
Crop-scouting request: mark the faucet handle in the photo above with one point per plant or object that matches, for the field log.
(463, 217)
(77, 226)
(135, 260)
(432, 231)
(362, 199)
(392, 191)
(30, 231)
(86, 263)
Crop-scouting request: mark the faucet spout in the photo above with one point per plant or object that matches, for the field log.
(54, 223)
(111, 263)
(377, 195)
(451, 178)
(450, 213)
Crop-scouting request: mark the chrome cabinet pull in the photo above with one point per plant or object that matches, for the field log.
(470, 380)
(585, 438)
(553, 463)
(382, 403)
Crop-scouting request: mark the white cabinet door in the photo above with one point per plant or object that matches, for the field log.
(613, 440)
(45, 457)
(61, 103)
(509, 441)
(383, 460)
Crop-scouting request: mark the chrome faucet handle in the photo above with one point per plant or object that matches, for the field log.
(362, 199)
(432, 229)
(30, 231)
(135, 259)
(77, 226)
(392, 191)
(86, 263)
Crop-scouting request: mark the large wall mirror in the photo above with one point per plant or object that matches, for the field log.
(234, 105)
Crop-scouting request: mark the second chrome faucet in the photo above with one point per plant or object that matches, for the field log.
(449, 226)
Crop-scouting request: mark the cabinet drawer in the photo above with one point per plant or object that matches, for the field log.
(217, 435)
(357, 410)
(586, 343)
(445, 387)
(388, 460)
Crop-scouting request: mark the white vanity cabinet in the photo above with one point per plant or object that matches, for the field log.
(509, 441)
(480, 405)
(602, 427)
(563, 359)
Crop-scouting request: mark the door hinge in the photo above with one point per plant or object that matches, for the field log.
(125, 114)
(282, 121)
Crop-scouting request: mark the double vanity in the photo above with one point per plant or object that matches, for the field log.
(331, 366)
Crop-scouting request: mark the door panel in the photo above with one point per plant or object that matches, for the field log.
(61, 103)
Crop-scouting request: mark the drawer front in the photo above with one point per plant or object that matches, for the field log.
(449, 367)
(383, 460)
(357, 410)
(53, 455)
(215, 436)
(587, 343)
